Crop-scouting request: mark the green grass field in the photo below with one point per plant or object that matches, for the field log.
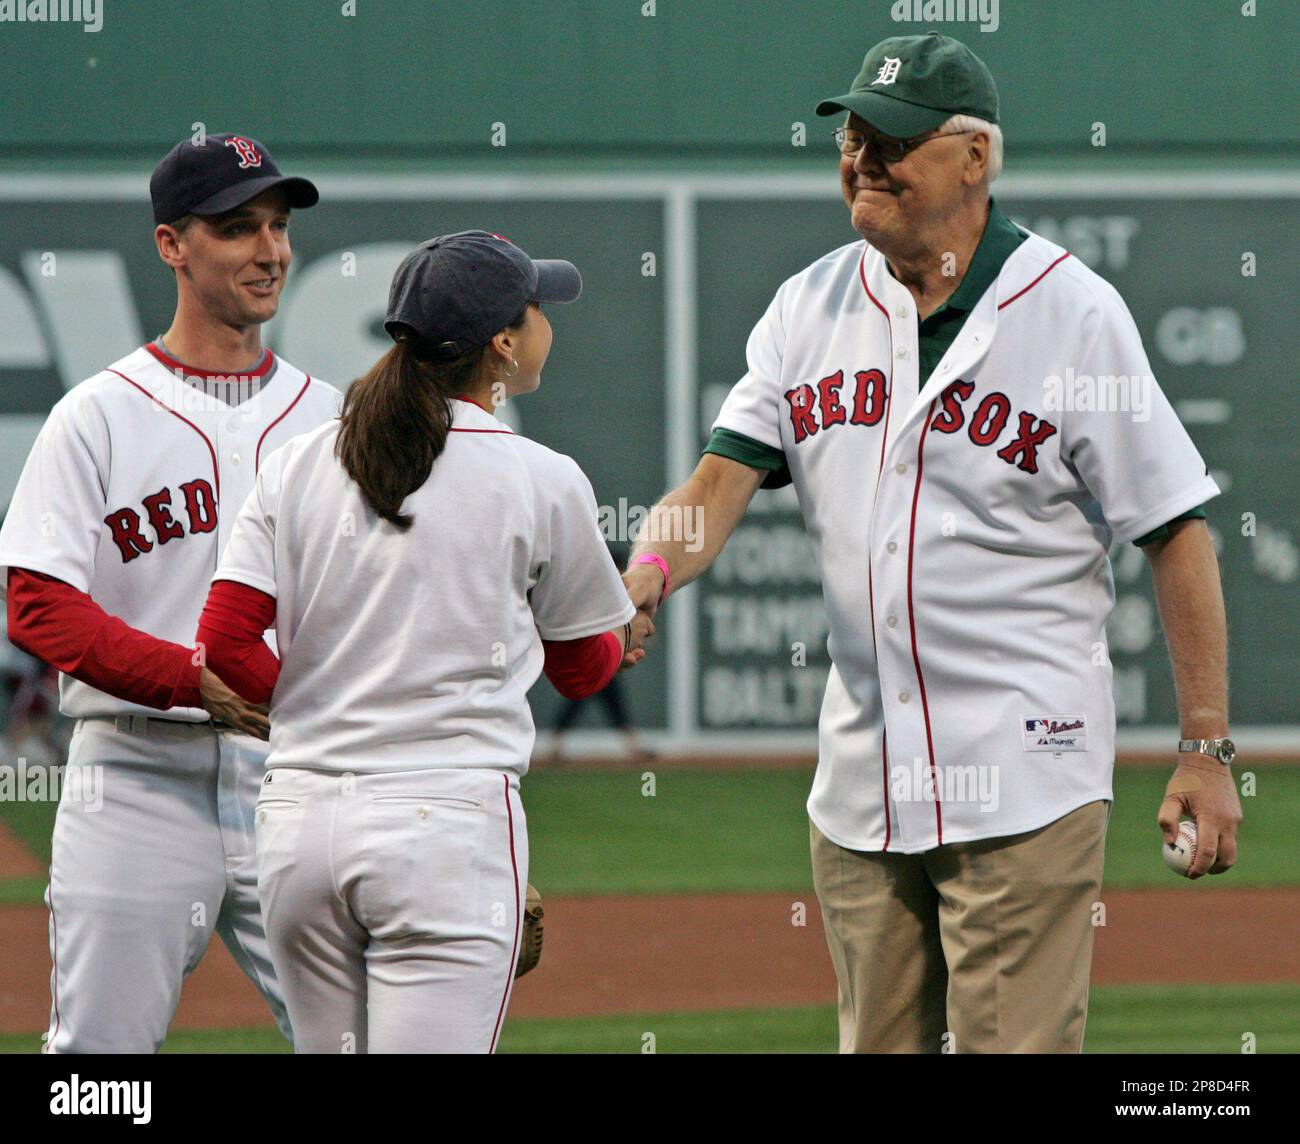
(736, 830)
(747, 830)
(1121, 1019)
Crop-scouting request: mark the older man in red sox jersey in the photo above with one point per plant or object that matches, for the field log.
(118, 522)
(906, 384)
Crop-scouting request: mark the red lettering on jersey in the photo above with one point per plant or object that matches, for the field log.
(158, 506)
(247, 152)
(801, 412)
(991, 413)
(1027, 443)
(125, 527)
(828, 393)
(953, 416)
(868, 397)
(200, 505)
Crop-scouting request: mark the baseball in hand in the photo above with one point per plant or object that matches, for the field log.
(1181, 853)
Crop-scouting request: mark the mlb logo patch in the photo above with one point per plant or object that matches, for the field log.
(1054, 733)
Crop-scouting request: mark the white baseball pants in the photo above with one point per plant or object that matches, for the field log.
(152, 851)
(393, 905)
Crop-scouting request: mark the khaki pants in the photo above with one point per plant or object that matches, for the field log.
(973, 947)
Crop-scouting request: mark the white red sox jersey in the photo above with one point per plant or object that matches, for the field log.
(962, 532)
(132, 487)
(416, 649)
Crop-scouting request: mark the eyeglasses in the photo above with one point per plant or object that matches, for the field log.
(890, 150)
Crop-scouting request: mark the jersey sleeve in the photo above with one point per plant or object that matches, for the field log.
(753, 407)
(58, 507)
(576, 589)
(755, 454)
(250, 554)
(1197, 513)
(1138, 462)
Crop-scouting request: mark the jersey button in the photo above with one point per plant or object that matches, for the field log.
(902, 351)
(900, 468)
(892, 621)
(904, 696)
(902, 312)
(891, 547)
(234, 458)
(423, 812)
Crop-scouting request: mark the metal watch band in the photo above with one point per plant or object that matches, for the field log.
(1210, 747)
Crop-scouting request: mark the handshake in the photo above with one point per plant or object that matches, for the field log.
(647, 587)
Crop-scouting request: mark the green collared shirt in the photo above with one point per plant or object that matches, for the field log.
(934, 335)
(937, 332)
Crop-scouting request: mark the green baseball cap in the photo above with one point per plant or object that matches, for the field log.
(909, 85)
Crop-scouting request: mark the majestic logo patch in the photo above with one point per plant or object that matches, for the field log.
(1054, 733)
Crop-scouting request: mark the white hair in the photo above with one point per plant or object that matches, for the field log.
(994, 132)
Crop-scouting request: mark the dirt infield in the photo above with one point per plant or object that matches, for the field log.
(16, 861)
(652, 954)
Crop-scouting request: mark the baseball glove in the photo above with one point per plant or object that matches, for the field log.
(530, 945)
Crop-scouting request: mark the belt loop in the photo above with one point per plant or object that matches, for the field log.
(122, 724)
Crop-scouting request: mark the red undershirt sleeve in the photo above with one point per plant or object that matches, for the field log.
(579, 668)
(63, 626)
(234, 620)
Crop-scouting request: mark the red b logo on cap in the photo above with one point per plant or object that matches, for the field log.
(248, 156)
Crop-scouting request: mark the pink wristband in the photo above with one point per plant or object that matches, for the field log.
(660, 563)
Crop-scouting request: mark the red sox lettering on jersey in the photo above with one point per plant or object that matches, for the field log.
(133, 486)
(810, 414)
(961, 528)
(124, 524)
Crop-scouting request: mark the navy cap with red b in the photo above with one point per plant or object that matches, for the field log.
(220, 173)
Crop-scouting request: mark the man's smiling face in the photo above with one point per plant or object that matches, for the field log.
(236, 262)
(885, 201)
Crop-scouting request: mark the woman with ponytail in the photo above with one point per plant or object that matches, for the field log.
(421, 564)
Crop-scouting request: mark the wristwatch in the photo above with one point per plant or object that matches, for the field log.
(1225, 750)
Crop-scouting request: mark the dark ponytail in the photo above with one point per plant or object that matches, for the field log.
(396, 418)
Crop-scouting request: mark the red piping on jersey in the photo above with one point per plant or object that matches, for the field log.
(190, 371)
(514, 951)
(257, 454)
(216, 474)
(871, 595)
(889, 394)
(1035, 282)
(911, 619)
(54, 978)
(884, 757)
(471, 401)
(505, 431)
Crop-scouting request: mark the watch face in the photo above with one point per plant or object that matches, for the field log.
(1227, 751)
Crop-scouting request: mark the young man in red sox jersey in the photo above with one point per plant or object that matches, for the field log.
(115, 529)
(962, 518)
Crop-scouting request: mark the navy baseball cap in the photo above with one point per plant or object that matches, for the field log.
(219, 174)
(458, 291)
